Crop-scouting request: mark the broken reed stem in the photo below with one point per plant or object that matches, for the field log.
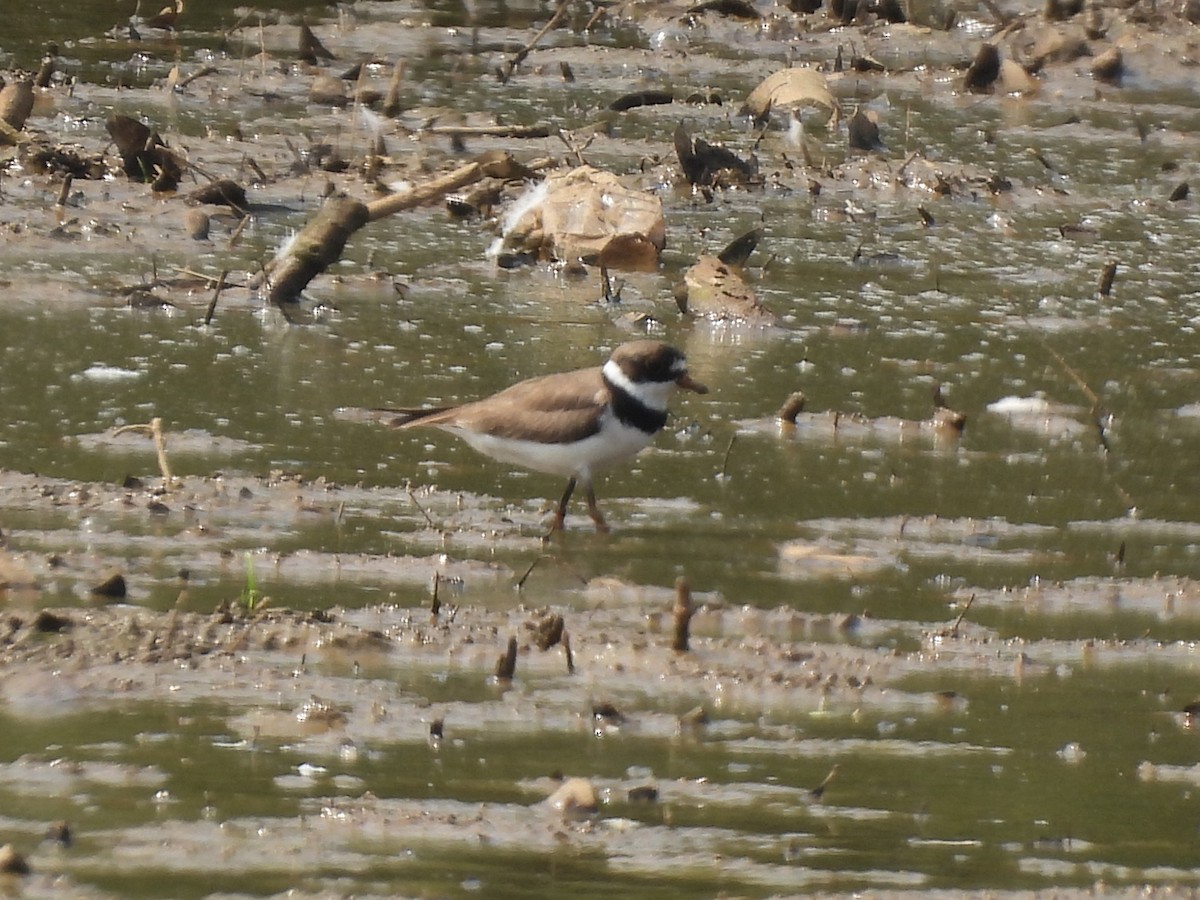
(961, 615)
(503, 74)
(725, 460)
(1071, 373)
(212, 304)
(819, 791)
(417, 503)
(391, 104)
(682, 612)
(173, 619)
(533, 565)
(154, 430)
(506, 665)
(1096, 413)
(64, 192)
(435, 606)
(237, 232)
(1106, 278)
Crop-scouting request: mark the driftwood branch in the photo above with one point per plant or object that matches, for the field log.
(321, 242)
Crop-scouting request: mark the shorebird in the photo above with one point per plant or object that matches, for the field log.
(576, 424)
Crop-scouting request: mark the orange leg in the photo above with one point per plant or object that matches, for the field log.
(560, 516)
(594, 511)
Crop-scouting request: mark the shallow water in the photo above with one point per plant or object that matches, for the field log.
(1076, 563)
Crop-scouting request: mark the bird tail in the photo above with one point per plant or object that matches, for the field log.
(402, 418)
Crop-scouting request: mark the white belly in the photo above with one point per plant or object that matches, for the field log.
(614, 443)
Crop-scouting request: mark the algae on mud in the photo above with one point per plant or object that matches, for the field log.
(1040, 743)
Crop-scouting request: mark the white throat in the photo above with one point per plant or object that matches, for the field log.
(651, 394)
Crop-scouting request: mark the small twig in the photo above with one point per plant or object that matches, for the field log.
(417, 503)
(958, 621)
(725, 460)
(600, 12)
(566, 645)
(504, 73)
(577, 152)
(1071, 373)
(173, 619)
(212, 304)
(509, 131)
(155, 431)
(64, 192)
(199, 73)
(819, 791)
(533, 565)
(237, 232)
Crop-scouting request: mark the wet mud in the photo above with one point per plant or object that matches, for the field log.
(213, 682)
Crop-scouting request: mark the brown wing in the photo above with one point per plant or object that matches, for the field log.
(553, 408)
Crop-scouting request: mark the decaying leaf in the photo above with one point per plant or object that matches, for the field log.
(144, 155)
(863, 132)
(715, 290)
(796, 88)
(588, 214)
(984, 71)
(710, 164)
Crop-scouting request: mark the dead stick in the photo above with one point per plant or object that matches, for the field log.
(533, 565)
(64, 192)
(566, 644)
(519, 57)
(728, 450)
(506, 665)
(154, 429)
(417, 503)
(1096, 412)
(683, 612)
(511, 131)
(212, 305)
(321, 242)
(199, 73)
(1071, 373)
(237, 232)
(391, 105)
(965, 609)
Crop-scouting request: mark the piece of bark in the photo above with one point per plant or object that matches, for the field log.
(983, 71)
(16, 103)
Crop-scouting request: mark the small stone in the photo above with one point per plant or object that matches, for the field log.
(196, 221)
(328, 91)
(12, 862)
(112, 587)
